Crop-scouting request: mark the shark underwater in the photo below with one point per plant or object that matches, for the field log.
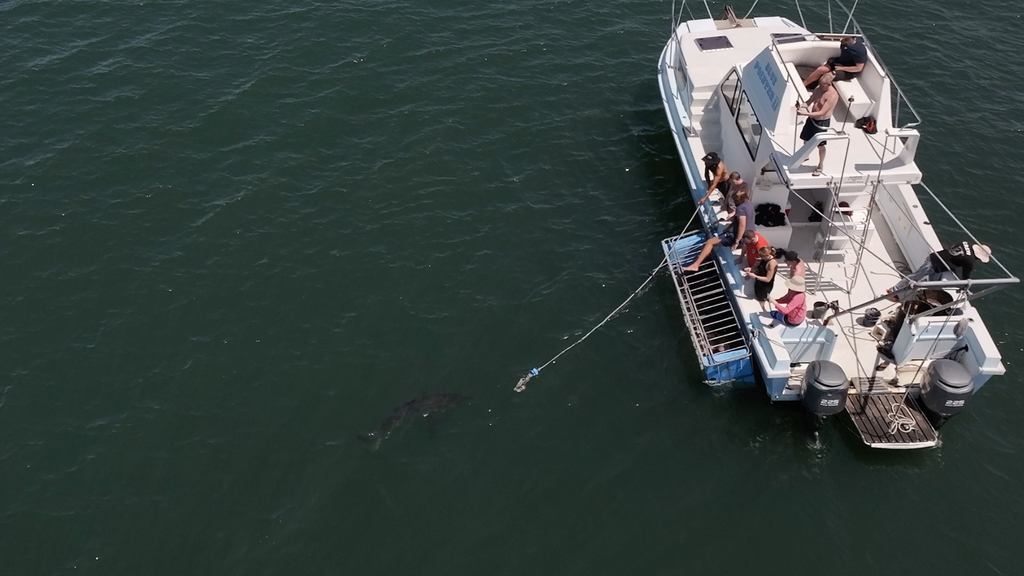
(419, 406)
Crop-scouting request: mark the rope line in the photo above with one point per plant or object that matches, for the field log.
(901, 419)
(521, 385)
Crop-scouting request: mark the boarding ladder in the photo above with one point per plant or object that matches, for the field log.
(710, 316)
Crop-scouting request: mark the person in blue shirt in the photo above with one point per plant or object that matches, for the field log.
(733, 236)
(853, 54)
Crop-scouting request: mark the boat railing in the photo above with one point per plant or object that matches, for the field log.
(1008, 274)
(901, 98)
(987, 285)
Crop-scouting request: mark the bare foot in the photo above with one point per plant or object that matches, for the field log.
(691, 268)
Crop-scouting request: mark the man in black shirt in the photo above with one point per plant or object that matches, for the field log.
(716, 175)
(853, 54)
(961, 255)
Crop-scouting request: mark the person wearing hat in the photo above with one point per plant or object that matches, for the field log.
(791, 309)
(961, 255)
(716, 175)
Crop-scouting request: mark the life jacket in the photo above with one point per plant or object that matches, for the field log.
(866, 124)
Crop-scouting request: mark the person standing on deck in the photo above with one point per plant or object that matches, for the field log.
(962, 255)
(716, 175)
(853, 54)
(763, 275)
(752, 242)
(736, 183)
(797, 267)
(742, 220)
(818, 110)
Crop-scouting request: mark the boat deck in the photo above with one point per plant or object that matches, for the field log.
(873, 416)
(838, 279)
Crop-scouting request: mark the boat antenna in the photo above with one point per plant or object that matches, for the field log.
(830, 28)
(801, 13)
(708, 8)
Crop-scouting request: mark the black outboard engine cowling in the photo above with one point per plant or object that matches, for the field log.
(947, 386)
(824, 390)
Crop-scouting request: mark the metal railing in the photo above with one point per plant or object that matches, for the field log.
(900, 95)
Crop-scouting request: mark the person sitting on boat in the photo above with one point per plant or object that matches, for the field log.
(736, 183)
(853, 54)
(742, 220)
(962, 255)
(763, 275)
(797, 267)
(791, 309)
(818, 110)
(752, 242)
(716, 175)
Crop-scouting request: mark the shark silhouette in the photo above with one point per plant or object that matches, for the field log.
(419, 406)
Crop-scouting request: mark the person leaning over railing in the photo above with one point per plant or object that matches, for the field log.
(962, 255)
(716, 175)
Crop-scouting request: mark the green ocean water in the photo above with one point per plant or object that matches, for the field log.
(236, 235)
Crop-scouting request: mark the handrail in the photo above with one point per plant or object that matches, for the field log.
(859, 33)
(994, 284)
(900, 95)
(804, 152)
(1008, 280)
(964, 228)
(966, 283)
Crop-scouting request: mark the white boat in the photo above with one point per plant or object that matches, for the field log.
(898, 369)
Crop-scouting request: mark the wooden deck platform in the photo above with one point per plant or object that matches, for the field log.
(871, 415)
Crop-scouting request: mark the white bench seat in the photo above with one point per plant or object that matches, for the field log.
(804, 343)
(861, 104)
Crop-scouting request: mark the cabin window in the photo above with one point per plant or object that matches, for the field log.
(749, 125)
(713, 43)
(730, 87)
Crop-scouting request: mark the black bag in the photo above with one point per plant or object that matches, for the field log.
(769, 215)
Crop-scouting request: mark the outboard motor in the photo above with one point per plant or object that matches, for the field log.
(947, 386)
(823, 391)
